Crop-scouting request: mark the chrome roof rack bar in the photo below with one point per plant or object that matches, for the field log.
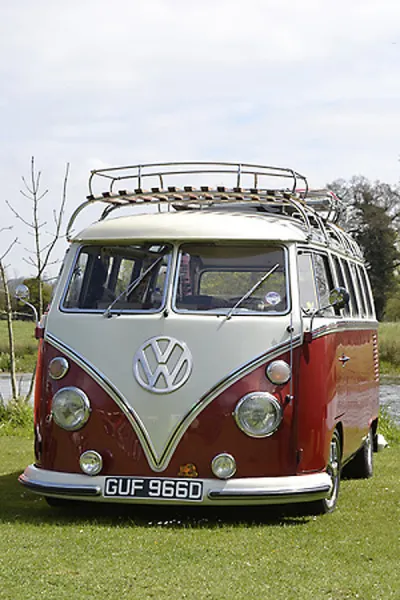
(316, 210)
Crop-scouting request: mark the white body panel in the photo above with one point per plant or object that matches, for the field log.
(195, 225)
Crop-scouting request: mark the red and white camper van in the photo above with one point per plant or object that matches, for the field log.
(215, 346)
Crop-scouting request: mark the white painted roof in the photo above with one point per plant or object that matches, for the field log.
(199, 225)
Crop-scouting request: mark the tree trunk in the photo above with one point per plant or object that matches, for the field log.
(11, 349)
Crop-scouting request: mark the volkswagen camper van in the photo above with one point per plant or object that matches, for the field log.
(214, 343)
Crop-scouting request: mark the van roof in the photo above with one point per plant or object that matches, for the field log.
(196, 224)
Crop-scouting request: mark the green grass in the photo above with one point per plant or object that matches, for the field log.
(25, 346)
(114, 552)
(16, 418)
(389, 347)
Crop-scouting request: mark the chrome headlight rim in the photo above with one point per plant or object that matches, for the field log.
(266, 396)
(63, 365)
(85, 408)
(282, 364)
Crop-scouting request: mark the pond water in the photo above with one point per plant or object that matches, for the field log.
(389, 395)
(389, 391)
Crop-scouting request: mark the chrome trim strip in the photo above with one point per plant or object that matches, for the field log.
(42, 487)
(160, 463)
(340, 326)
(285, 494)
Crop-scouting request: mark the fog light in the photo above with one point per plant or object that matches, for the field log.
(223, 466)
(278, 372)
(91, 462)
(58, 367)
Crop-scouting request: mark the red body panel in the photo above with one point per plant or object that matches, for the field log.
(331, 393)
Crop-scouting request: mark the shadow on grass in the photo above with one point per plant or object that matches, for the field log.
(19, 505)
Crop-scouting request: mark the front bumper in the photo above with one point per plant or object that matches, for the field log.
(240, 491)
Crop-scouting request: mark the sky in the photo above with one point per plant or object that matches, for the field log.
(311, 85)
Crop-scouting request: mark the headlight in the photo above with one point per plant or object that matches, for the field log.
(258, 414)
(223, 466)
(91, 462)
(278, 372)
(70, 408)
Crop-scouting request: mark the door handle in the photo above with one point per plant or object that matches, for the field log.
(343, 359)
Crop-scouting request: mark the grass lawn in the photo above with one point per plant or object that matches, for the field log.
(116, 552)
(25, 346)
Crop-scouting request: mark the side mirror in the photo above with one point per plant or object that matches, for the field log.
(339, 297)
(22, 292)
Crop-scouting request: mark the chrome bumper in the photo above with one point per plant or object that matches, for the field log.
(249, 490)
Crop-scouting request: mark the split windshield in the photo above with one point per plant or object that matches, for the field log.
(210, 278)
(215, 278)
(119, 278)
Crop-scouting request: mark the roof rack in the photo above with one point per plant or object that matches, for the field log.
(315, 210)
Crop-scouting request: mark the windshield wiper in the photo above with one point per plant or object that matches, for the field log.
(132, 286)
(251, 290)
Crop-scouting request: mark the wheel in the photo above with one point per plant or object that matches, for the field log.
(361, 465)
(333, 468)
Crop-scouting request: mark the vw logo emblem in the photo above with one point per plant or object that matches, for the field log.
(162, 364)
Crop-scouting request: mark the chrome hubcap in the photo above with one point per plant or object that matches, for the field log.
(333, 470)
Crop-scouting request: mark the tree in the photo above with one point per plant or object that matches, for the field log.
(35, 290)
(8, 311)
(40, 257)
(374, 219)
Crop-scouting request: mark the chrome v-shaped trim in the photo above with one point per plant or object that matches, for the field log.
(160, 462)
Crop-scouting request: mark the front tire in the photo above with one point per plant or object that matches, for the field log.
(333, 468)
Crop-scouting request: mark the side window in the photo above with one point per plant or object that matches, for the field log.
(360, 289)
(340, 280)
(315, 281)
(351, 289)
(308, 291)
(324, 280)
(367, 289)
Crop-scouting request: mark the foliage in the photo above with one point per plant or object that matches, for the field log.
(392, 308)
(387, 427)
(237, 283)
(16, 418)
(40, 257)
(25, 346)
(374, 219)
(389, 343)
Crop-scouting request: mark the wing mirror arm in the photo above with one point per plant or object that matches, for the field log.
(338, 298)
(22, 294)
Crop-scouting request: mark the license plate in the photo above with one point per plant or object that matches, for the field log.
(161, 489)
